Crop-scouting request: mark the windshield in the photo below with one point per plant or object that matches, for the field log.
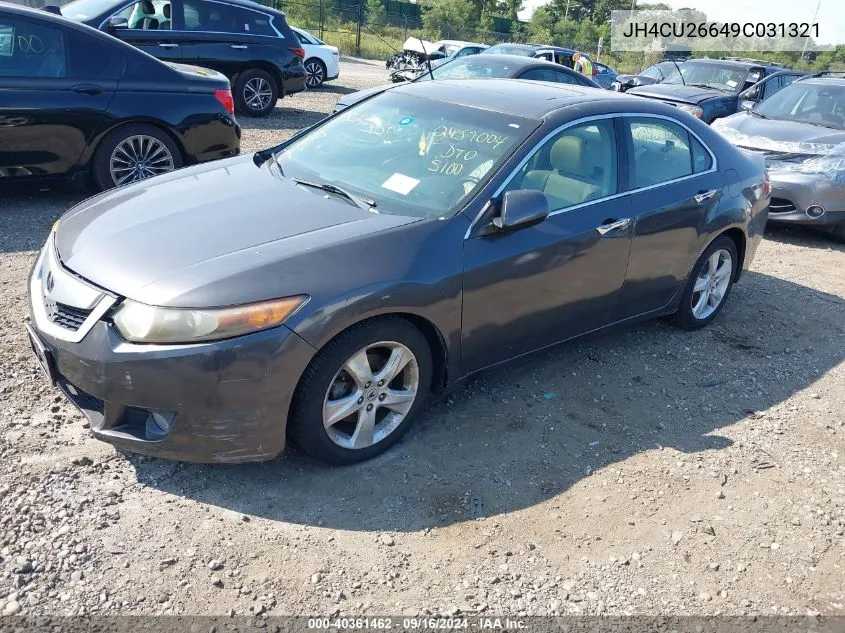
(509, 49)
(661, 71)
(807, 102)
(471, 67)
(86, 9)
(725, 78)
(409, 155)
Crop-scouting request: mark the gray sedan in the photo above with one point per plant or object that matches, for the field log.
(800, 130)
(323, 288)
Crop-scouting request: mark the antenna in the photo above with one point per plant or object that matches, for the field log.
(427, 59)
(678, 68)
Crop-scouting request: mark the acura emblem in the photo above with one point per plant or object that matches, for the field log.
(50, 282)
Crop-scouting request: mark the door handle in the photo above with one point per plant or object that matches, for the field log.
(167, 45)
(606, 228)
(239, 47)
(87, 89)
(704, 196)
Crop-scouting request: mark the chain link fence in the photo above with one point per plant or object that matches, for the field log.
(357, 31)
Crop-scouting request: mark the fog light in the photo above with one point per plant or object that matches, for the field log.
(814, 212)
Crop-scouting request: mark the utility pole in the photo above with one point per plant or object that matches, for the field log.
(566, 13)
(807, 41)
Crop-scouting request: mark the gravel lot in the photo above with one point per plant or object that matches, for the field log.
(646, 471)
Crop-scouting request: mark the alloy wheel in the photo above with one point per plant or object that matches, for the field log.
(712, 284)
(258, 93)
(314, 74)
(371, 395)
(139, 157)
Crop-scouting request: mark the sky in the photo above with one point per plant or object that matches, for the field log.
(830, 11)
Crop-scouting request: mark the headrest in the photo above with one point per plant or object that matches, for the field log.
(166, 11)
(566, 154)
(147, 7)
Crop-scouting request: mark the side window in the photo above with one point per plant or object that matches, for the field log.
(90, 58)
(148, 15)
(661, 151)
(563, 78)
(575, 166)
(788, 79)
(30, 49)
(217, 17)
(701, 160)
(539, 74)
(564, 59)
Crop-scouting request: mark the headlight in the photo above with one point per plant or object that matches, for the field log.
(141, 323)
(693, 110)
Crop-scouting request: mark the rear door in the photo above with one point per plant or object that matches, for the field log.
(224, 36)
(675, 186)
(55, 85)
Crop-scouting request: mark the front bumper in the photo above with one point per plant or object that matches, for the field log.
(223, 401)
(793, 193)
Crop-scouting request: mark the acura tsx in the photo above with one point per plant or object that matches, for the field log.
(320, 289)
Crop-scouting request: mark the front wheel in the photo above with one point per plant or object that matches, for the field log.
(256, 92)
(360, 393)
(709, 285)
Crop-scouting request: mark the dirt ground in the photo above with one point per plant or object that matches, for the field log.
(647, 471)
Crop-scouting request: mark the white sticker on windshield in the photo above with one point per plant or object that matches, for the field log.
(731, 83)
(401, 183)
(514, 125)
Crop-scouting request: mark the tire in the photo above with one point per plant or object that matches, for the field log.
(692, 314)
(326, 381)
(256, 93)
(838, 232)
(315, 73)
(114, 155)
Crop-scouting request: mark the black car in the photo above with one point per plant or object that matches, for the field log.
(324, 287)
(249, 43)
(76, 104)
(707, 88)
(483, 66)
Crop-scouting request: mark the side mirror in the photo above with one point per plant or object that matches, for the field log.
(746, 105)
(751, 94)
(115, 23)
(520, 209)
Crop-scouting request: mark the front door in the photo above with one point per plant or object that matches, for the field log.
(153, 27)
(560, 278)
(55, 85)
(675, 186)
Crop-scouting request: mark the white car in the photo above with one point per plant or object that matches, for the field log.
(322, 62)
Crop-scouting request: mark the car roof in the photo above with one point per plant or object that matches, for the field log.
(811, 79)
(517, 61)
(63, 22)
(514, 97)
(459, 43)
(733, 62)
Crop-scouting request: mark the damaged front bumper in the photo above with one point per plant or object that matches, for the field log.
(807, 198)
(221, 401)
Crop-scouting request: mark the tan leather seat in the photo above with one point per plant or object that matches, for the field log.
(569, 181)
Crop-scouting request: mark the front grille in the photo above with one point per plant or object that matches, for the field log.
(69, 317)
(781, 205)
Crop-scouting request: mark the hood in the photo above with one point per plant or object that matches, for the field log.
(351, 99)
(753, 132)
(679, 93)
(158, 240)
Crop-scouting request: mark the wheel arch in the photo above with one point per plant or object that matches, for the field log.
(159, 125)
(741, 242)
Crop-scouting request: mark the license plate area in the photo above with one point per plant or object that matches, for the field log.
(42, 354)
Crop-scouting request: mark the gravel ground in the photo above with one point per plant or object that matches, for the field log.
(646, 471)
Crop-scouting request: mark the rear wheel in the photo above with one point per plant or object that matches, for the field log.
(839, 232)
(256, 92)
(315, 73)
(709, 285)
(134, 152)
(360, 393)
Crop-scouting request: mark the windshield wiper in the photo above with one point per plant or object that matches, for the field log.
(709, 87)
(358, 201)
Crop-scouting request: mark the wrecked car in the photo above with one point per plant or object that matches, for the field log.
(800, 131)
